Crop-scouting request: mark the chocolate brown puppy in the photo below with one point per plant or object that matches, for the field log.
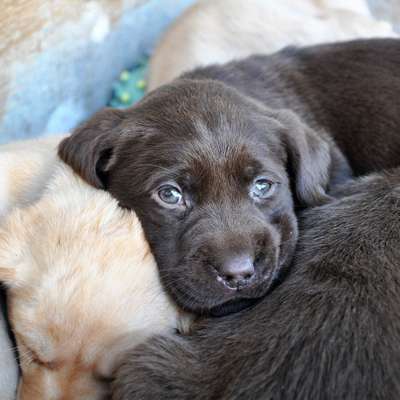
(215, 163)
(211, 186)
(330, 331)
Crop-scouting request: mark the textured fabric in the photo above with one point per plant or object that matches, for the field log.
(65, 84)
(68, 83)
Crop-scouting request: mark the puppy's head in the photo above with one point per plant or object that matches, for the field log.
(82, 285)
(213, 177)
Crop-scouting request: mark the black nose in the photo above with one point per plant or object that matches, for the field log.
(237, 270)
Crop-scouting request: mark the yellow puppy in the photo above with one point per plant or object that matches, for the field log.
(218, 31)
(83, 287)
(25, 166)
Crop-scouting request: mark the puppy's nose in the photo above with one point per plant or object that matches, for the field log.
(237, 270)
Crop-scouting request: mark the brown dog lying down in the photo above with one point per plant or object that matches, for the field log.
(330, 331)
(82, 288)
(215, 163)
(218, 31)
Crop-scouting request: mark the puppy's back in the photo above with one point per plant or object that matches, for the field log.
(348, 89)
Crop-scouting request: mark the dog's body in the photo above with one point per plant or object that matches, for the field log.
(82, 283)
(330, 331)
(218, 31)
(210, 136)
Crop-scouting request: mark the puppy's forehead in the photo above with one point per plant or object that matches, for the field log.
(182, 106)
(223, 146)
(197, 129)
(206, 122)
(224, 154)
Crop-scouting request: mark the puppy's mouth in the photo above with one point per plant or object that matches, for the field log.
(236, 305)
(232, 307)
(209, 296)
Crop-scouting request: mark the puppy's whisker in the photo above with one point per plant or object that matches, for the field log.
(25, 359)
(14, 348)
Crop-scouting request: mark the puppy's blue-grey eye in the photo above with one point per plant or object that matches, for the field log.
(262, 188)
(170, 195)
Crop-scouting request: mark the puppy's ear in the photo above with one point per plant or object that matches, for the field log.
(309, 159)
(89, 149)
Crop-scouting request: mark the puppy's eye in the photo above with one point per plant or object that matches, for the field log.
(170, 195)
(262, 188)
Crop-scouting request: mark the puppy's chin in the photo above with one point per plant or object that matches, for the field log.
(232, 307)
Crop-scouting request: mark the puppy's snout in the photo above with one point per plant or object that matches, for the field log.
(237, 271)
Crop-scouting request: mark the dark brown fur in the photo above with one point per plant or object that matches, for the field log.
(350, 89)
(205, 130)
(330, 331)
(212, 142)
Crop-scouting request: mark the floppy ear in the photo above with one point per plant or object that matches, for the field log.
(309, 159)
(89, 148)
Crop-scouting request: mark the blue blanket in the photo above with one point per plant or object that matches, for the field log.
(67, 83)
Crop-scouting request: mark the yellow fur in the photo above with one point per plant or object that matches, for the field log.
(218, 31)
(25, 167)
(83, 286)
